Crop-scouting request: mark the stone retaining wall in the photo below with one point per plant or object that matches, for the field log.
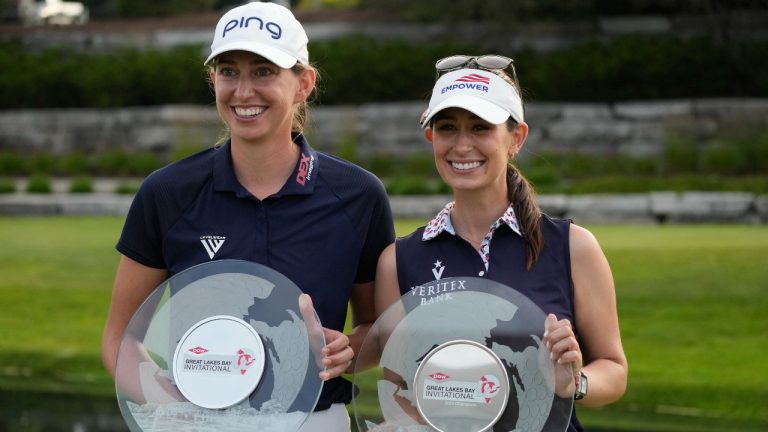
(629, 128)
(665, 207)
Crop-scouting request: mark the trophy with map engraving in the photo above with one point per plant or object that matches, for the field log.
(221, 346)
(460, 355)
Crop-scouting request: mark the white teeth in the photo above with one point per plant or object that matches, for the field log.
(465, 166)
(248, 112)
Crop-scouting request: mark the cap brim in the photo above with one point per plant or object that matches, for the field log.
(276, 56)
(487, 111)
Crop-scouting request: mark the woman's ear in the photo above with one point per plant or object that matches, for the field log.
(307, 80)
(428, 134)
(519, 134)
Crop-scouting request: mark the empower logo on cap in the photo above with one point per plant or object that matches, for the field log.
(471, 82)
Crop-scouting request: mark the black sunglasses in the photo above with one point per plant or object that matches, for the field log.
(489, 62)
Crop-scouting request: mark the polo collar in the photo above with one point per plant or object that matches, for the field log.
(442, 222)
(301, 182)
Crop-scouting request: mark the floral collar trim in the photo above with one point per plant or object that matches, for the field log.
(442, 223)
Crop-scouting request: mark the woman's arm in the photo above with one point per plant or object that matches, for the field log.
(597, 321)
(134, 282)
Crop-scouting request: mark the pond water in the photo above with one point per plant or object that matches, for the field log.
(33, 412)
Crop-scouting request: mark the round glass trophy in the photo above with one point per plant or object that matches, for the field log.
(460, 354)
(228, 345)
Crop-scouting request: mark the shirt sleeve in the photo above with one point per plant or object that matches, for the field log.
(380, 233)
(141, 238)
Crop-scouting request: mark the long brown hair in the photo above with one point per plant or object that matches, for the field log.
(521, 194)
(523, 198)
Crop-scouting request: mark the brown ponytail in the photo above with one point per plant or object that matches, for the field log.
(523, 198)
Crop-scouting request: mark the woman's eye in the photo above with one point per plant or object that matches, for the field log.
(228, 72)
(445, 127)
(263, 72)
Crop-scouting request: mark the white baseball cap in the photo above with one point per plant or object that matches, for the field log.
(266, 29)
(481, 92)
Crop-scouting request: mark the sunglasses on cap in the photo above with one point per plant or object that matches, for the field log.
(488, 62)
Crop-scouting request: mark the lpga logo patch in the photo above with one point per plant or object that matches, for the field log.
(469, 82)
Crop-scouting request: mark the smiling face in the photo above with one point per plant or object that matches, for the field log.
(471, 154)
(255, 97)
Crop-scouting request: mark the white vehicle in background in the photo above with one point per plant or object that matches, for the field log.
(55, 12)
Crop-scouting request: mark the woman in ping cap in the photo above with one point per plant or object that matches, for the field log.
(263, 195)
(494, 229)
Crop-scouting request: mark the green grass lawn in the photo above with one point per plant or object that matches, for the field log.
(692, 305)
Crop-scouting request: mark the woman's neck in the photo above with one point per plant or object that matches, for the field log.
(473, 214)
(263, 168)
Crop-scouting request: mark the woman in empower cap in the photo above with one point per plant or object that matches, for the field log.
(263, 195)
(494, 229)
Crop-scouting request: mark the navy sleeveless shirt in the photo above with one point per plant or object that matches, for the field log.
(547, 283)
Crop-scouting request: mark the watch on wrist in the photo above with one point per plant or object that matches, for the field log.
(581, 386)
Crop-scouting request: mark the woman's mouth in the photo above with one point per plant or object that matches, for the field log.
(249, 112)
(463, 166)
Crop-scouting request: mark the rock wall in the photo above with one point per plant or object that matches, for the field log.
(628, 128)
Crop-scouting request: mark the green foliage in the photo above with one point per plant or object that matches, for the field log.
(680, 153)
(413, 185)
(149, 8)
(12, 163)
(62, 77)
(74, 164)
(347, 146)
(359, 69)
(39, 184)
(7, 186)
(721, 158)
(81, 184)
(121, 163)
(124, 188)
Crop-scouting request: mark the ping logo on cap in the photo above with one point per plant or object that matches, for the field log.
(274, 29)
(470, 82)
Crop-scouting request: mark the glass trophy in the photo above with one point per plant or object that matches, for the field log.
(460, 354)
(221, 346)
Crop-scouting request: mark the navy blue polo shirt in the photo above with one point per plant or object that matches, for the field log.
(324, 229)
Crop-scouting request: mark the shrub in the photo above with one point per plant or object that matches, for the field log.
(42, 163)
(681, 154)
(721, 158)
(39, 184)
(142, 164)
(7, 186)
(126, 188)
(412, 185)
(81, 184)
(383, 165)
(12, 164)
(74, 164)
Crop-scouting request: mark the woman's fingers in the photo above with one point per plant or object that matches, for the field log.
(337, 354)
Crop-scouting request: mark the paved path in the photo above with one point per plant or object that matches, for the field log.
(659, 207)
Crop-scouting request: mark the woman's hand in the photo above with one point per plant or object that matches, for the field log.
(337, 354)
(564, 352)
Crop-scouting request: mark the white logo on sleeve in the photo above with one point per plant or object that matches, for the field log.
(212, 244)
